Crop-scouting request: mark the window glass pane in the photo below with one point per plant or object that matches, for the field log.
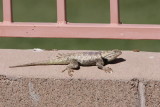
(140, 11)
(1, 12)
(34, 10)
(88, 11)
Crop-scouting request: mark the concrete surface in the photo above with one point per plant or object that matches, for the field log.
(134, 82)
(152, 93)
(144, 65)
(25, 92)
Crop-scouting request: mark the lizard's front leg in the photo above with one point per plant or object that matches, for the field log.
(73, 65)
(100, 65)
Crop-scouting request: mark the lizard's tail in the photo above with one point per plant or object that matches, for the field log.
(46, 62)
(32, 64)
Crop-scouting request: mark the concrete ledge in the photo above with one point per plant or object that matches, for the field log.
(134, 82)
(143, 65)
(152, 93)
(29, 92)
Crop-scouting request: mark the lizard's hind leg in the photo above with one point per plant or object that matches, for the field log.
(73, 65)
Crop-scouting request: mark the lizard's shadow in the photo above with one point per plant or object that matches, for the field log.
(117, 60)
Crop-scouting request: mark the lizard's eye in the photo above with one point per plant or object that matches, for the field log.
(110, 56)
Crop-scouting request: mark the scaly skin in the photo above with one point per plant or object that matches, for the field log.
(75, 60)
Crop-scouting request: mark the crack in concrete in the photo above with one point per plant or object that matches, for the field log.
(141, 89)
(33, 95)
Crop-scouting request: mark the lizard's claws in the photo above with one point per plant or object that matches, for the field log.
(64, 70)
(108, 70)
(69, 71)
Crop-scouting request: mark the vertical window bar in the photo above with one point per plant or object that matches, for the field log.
(114, 12)
(7, 11)
(61, 11)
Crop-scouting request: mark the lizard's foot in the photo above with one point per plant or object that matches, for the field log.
(64, 70)
(107, 69)
(69, 71)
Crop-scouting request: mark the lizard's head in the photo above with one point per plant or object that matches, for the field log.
(111, 55)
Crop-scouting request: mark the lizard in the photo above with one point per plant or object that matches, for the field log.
(75, 60)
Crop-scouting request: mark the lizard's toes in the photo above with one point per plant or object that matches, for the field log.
(70, 72)
(64, 70)
(108, 70)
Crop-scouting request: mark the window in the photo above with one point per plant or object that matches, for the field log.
(140, 11)
(34, 10)
(88, 11)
